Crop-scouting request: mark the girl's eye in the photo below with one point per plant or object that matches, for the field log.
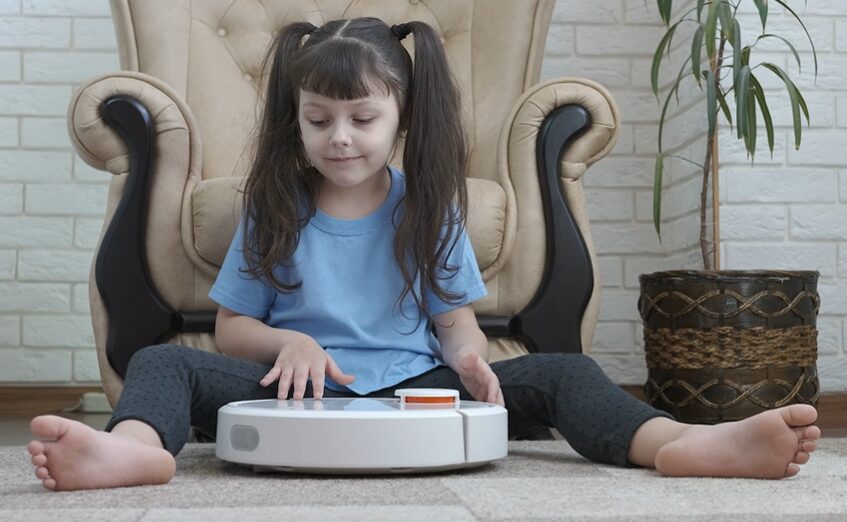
(363, 121)
(318, 123)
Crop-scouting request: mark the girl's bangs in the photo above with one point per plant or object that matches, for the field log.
(339, 69)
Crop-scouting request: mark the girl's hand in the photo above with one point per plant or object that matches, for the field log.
(297, 362)
(479, 379)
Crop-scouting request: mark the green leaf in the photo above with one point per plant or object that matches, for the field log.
(657, 59)
(737, 60)
(700, 4)
(711, 28)
(711, 101)
(724, 106)
(657, 195)
(795, 96)
(750, 134)
(696, 48)
(726, 19)
(665, 10)
(762, 6)
(674, 89)
(793, 50)
(742, 93)
(814, 53)
(759, 93)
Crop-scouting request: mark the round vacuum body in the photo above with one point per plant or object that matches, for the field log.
(421, 431)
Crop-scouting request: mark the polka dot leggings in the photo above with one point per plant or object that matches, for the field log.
(173, 388)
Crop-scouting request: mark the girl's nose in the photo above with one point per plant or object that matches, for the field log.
(339, 137)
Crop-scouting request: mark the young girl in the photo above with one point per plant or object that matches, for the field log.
(340, 266)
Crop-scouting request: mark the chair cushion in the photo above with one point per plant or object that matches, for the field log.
(216, 209)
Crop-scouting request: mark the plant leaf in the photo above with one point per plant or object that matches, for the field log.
(814, 53)
(724, 107)
(657, 195)
(665, 10)
(711, 28)
(742, 92)
(737, 60)
(759, 93)
(750, 135)
(726, 19)
(657, 59)
(665, 109)
(794, 94)
(793, 50)
(696, 48)
(700, 4)
(762, 6)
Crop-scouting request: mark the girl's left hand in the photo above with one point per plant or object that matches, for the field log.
(479, 379)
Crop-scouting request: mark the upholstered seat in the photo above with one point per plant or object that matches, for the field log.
(175, 126)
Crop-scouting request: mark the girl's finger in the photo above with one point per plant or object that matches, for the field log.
(270, 376)
(336, 374)
(317, 374)
(301, 377)
(284, 383)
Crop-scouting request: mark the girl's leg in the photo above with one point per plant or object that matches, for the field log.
(605, 424)
(167, 389)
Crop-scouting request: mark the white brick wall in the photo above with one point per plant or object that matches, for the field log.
(786, 212)
(51, 205)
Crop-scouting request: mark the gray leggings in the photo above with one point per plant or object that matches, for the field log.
(173, 388)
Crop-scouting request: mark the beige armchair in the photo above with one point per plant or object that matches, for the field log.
(173, 129)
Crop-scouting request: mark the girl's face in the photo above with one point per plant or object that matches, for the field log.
(349, 142)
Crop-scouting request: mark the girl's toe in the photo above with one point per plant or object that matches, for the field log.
(39, 459)
(42, 472)
(801, 458)
(49, 483)
(792, 469)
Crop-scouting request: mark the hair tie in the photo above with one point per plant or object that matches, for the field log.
(401, 30)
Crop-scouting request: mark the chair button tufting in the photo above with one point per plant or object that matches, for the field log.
(248, 77)
(221, 32)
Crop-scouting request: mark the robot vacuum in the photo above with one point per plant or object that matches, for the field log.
(422, 430)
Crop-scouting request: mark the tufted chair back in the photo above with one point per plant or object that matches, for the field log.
(175, 128)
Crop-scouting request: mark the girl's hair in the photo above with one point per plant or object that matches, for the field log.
(350, 59)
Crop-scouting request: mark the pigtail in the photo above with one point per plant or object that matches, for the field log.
(435, 162)
(275, 188)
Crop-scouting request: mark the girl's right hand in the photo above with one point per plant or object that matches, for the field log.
(297, 362)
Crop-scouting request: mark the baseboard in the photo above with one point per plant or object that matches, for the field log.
(27, 401)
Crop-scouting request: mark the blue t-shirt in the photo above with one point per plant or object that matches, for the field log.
(351, 282)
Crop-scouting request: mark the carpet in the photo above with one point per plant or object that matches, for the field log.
(537, 481)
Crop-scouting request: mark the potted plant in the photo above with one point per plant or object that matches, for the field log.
(723, 345)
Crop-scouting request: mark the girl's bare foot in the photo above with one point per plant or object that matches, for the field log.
(70, 455)
(770, 445)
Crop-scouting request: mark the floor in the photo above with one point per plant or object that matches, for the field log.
(14, 431)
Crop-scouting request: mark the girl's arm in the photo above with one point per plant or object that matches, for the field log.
(248, 338)
(465, 350)
(459, 334)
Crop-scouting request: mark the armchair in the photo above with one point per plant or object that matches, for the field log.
(173, 129)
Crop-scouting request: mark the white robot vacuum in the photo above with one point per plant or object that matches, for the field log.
(423, 430)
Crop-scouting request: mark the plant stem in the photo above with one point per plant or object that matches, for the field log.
(707, 168)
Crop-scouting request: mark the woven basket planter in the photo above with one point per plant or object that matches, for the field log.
(723, 346)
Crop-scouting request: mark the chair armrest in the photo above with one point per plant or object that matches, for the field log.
(101, 147)
(555, 131)
(518, 139)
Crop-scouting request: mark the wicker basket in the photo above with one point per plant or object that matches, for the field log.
(722, 346)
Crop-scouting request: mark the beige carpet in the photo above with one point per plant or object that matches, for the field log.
(537, 481)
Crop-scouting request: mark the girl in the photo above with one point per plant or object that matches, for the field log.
(340, 266)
